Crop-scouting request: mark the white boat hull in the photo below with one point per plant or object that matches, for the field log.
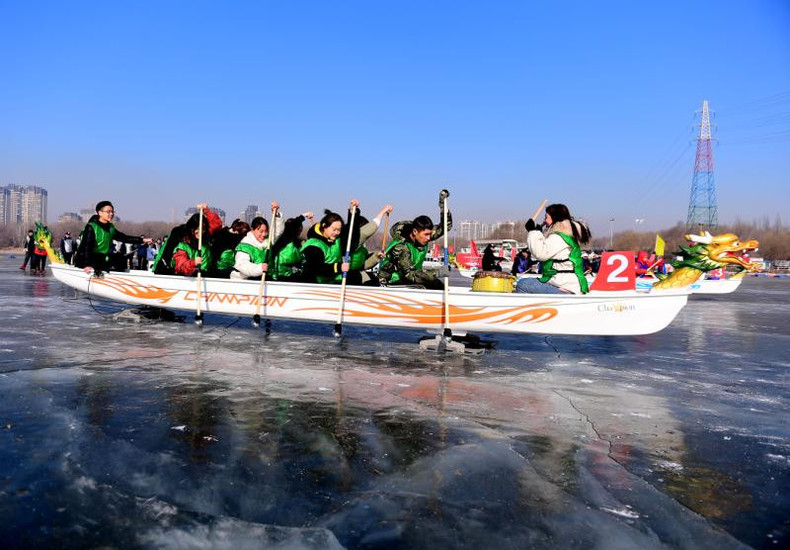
(701, 286)
(596, 313)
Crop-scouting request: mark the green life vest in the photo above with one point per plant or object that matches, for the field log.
(160, 253)
(575, 258)
(332, 255)
(358, 258)
(289, 257)
(257, 255)
(417, 259)
(104, 238)
(226, 260)
(205, 253)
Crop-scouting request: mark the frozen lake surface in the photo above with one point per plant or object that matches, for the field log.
(125, 435)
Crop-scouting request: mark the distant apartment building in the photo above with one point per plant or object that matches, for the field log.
(23, 204)
(469, 230)
(507, 229)
(86, 214)
(189, 212)
(475, 230)
(67, 217)
(250, 213)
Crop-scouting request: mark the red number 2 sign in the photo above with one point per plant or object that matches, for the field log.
(617, 272)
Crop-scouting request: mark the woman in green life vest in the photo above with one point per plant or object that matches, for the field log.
(223, 247)
(557, 249)
(323, 252)
(287, 257)
(252, 257)
(187, 258)
(323, 257)
(95, 251)
(361, 231)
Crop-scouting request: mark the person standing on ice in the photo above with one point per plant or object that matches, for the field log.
(558, 251)
(30, 244)
(403, 259)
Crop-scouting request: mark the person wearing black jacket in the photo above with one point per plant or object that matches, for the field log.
(29, 246)
(93, 253)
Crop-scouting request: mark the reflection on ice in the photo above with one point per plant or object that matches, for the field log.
(166, 435)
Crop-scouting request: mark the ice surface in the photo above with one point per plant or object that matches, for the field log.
(165, 435)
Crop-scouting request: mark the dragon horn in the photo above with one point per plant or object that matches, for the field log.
(705, 238)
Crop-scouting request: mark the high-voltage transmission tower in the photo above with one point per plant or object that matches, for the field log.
(703, 212)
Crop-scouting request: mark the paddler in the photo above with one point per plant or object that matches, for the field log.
(557, 249)
(191, 256)
(252, 253)
(287, 250)
(323, 252)
(361, 231)
(403, 259)
(163, 263)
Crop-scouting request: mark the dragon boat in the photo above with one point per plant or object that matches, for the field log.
(625, 312)
(702, 285)
(613, 306)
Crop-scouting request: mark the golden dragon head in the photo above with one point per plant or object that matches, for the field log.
(712, 252)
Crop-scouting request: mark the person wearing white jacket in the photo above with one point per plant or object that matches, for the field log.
(557, 249)
(252, 253)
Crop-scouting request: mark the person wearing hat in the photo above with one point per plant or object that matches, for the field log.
(93, 252)
(402, 262)
(67, 247)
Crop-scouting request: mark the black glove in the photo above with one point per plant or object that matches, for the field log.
(443, 194)
(530, 225)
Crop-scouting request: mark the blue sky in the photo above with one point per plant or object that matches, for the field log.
(160, 105)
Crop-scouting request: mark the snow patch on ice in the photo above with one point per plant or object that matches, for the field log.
(82, 483)
(671, 466)
(181, 428)
(778, 458)
(623, 512)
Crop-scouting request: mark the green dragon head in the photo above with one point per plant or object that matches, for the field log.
(43, 237)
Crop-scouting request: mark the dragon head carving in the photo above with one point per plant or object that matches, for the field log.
(43, 238)
(710, 252)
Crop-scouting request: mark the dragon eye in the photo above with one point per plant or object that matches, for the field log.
(736, 243)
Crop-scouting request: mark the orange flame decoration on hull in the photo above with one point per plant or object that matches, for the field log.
(393, 308)
(431, 312)
(136, 290)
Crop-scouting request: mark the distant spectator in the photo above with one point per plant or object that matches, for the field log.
(67, 247)
(523, 262)
(29, 245)
(142, 254)
(490, 261)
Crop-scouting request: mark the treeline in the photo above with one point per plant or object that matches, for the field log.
(13, 235)
(774, 238)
